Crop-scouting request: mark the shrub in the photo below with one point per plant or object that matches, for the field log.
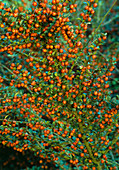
(54, 86)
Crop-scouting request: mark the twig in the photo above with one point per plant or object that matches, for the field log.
(98, 12)
(109, 21)
(113, 142)
(15, 121)
(87, 145)
(104, 17)
(113, 157)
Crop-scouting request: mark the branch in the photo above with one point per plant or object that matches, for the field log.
(109, 21)
(14, 75)
(113, 142)
(104, 17)
(87, 145)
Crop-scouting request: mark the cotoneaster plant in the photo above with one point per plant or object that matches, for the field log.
(54, 86)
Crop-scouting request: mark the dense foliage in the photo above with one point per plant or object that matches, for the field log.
(57, 110)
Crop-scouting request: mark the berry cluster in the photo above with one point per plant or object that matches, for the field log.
(54, 87)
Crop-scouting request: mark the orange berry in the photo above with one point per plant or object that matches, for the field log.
(64, 102)
(81, 77)
(34, 3)
(95, 5)
(79, 120)
(82, 154)
(63, 86)
(102, 161)
(79, 135)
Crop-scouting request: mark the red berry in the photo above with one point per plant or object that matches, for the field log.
(95, 5)
(34, 3)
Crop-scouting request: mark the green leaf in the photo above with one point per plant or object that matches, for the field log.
(71, 102)
(114, 100)
(56, 74)
(108, 98)
(51, 86)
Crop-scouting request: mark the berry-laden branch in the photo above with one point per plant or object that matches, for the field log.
(2, 65)
(112, 143)
(87, 145)
(64, 113)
